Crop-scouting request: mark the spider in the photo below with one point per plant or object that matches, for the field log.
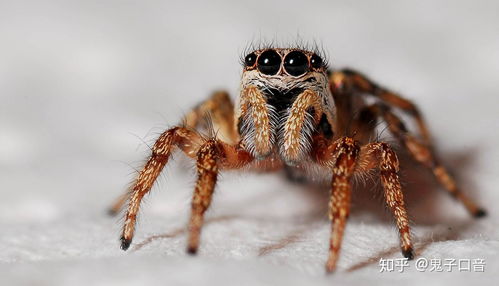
(294, 113)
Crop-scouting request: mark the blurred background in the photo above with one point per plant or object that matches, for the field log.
(86, 85)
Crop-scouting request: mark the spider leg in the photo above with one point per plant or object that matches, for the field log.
(220, 108)
(345, 158)
(192, 144)
(207, 169)
(340, 157)
(380, 155)
(364, 125)
(161, 152)
(350, 81)
(424, 155)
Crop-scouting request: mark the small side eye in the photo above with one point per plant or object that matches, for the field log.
(269, 62)
(316, 61)
(250, 60)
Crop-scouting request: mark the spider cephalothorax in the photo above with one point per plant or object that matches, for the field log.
(294, 113)
(285, 94)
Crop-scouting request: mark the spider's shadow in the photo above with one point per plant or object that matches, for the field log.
(452, 232)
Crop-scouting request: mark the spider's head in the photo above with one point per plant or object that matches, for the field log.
(283, 73)
(284, 96)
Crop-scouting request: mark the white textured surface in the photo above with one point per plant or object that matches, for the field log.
(83, 82)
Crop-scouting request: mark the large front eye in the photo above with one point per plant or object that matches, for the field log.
(269, 62)
(296, 63)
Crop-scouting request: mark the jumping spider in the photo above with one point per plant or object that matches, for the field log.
(295, 113)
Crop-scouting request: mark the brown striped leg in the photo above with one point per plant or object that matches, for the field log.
(192, 144)
(207, 169)
(424, 155)
(341, 157)
(221, 111)
(364, 126)
(353, 82)
(211, 156)
(339, 206)
(186, 139)
(161, 152)
(382, 156)
(343, 102)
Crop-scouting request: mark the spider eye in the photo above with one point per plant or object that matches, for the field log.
(250, 60)
(316, 61)
(296, 63)
(269, 62)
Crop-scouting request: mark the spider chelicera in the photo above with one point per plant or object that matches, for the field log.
(296, 114)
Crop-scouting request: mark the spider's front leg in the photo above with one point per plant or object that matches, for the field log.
(381, 156)
(340, 157)
(210, 154)
(344, 157)
(161, 152)
(207, 169)
(220, 109)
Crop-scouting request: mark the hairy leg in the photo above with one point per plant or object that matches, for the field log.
(343, 103)
(352, 82)
(220, 110)
(161, 152)
(381, 156)
(349, 82)
(207, 169)
(424, 155)
(190, 142)
(340, 156)
(364, 125)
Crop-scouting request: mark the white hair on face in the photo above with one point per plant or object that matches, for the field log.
(314, 81)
